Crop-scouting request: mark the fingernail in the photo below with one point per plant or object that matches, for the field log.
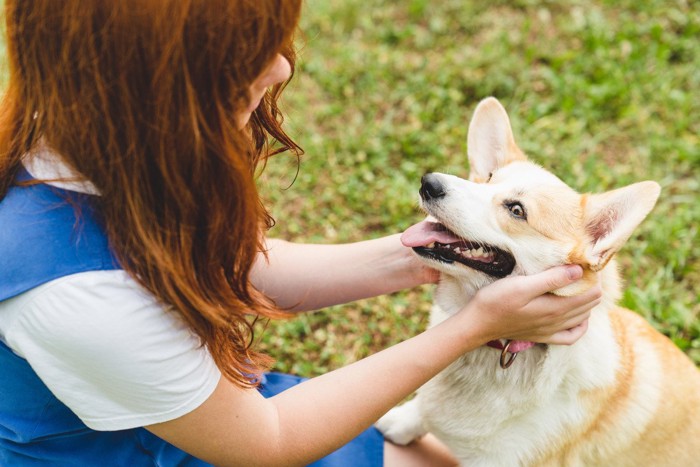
(574, 271)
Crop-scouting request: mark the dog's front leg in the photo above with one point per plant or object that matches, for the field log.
(402, 424)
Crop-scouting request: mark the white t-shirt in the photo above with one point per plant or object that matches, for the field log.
(104, 345)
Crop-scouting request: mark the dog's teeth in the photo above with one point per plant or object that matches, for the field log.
(431, 245)
(457, 250)
(480, 252)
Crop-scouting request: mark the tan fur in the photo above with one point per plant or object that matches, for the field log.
(670, 438)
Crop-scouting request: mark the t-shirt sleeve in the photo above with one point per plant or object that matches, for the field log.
(111, 352)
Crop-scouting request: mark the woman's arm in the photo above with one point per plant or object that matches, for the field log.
(308, 277)
(240, 427)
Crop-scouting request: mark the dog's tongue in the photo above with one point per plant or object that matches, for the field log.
(426, 232)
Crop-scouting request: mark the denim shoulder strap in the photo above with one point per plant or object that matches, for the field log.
(47, 233)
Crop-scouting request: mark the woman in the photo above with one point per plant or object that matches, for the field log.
(132, 252)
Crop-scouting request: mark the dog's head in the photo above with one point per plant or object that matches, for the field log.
(514, 217)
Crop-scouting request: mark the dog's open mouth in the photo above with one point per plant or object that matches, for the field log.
(435, 241)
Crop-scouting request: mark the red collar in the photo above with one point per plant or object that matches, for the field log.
(497, 344)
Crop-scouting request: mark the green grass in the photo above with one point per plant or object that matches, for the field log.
(603, 93)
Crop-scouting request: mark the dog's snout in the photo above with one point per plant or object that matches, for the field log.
(431, 187)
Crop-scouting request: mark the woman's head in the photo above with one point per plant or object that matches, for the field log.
(150, 101)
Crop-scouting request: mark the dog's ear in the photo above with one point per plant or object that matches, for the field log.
(610, 218)
(490, 142)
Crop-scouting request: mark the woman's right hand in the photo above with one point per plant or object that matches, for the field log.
(521, 308)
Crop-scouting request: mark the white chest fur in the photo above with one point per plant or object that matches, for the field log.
(495, 417)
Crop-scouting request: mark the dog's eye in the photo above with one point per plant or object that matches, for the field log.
(517, 210)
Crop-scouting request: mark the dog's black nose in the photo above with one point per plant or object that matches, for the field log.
(431, 187)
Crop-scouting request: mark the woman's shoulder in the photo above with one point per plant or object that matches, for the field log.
(48, 233)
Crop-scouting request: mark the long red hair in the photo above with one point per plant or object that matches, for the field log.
(141, 97)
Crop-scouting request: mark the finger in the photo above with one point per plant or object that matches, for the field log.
(591, 295)
(564, 328)
(586, 307)
(576, 319)
(432, 276)
(551, 279)
(568, 306)
(569, 336)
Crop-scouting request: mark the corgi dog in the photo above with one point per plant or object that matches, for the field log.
(623, 395)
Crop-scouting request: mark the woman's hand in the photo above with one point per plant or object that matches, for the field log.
(521, 308)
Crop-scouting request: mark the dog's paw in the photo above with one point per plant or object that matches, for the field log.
(402, 424)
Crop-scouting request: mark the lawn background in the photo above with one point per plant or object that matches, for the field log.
(603, 93)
